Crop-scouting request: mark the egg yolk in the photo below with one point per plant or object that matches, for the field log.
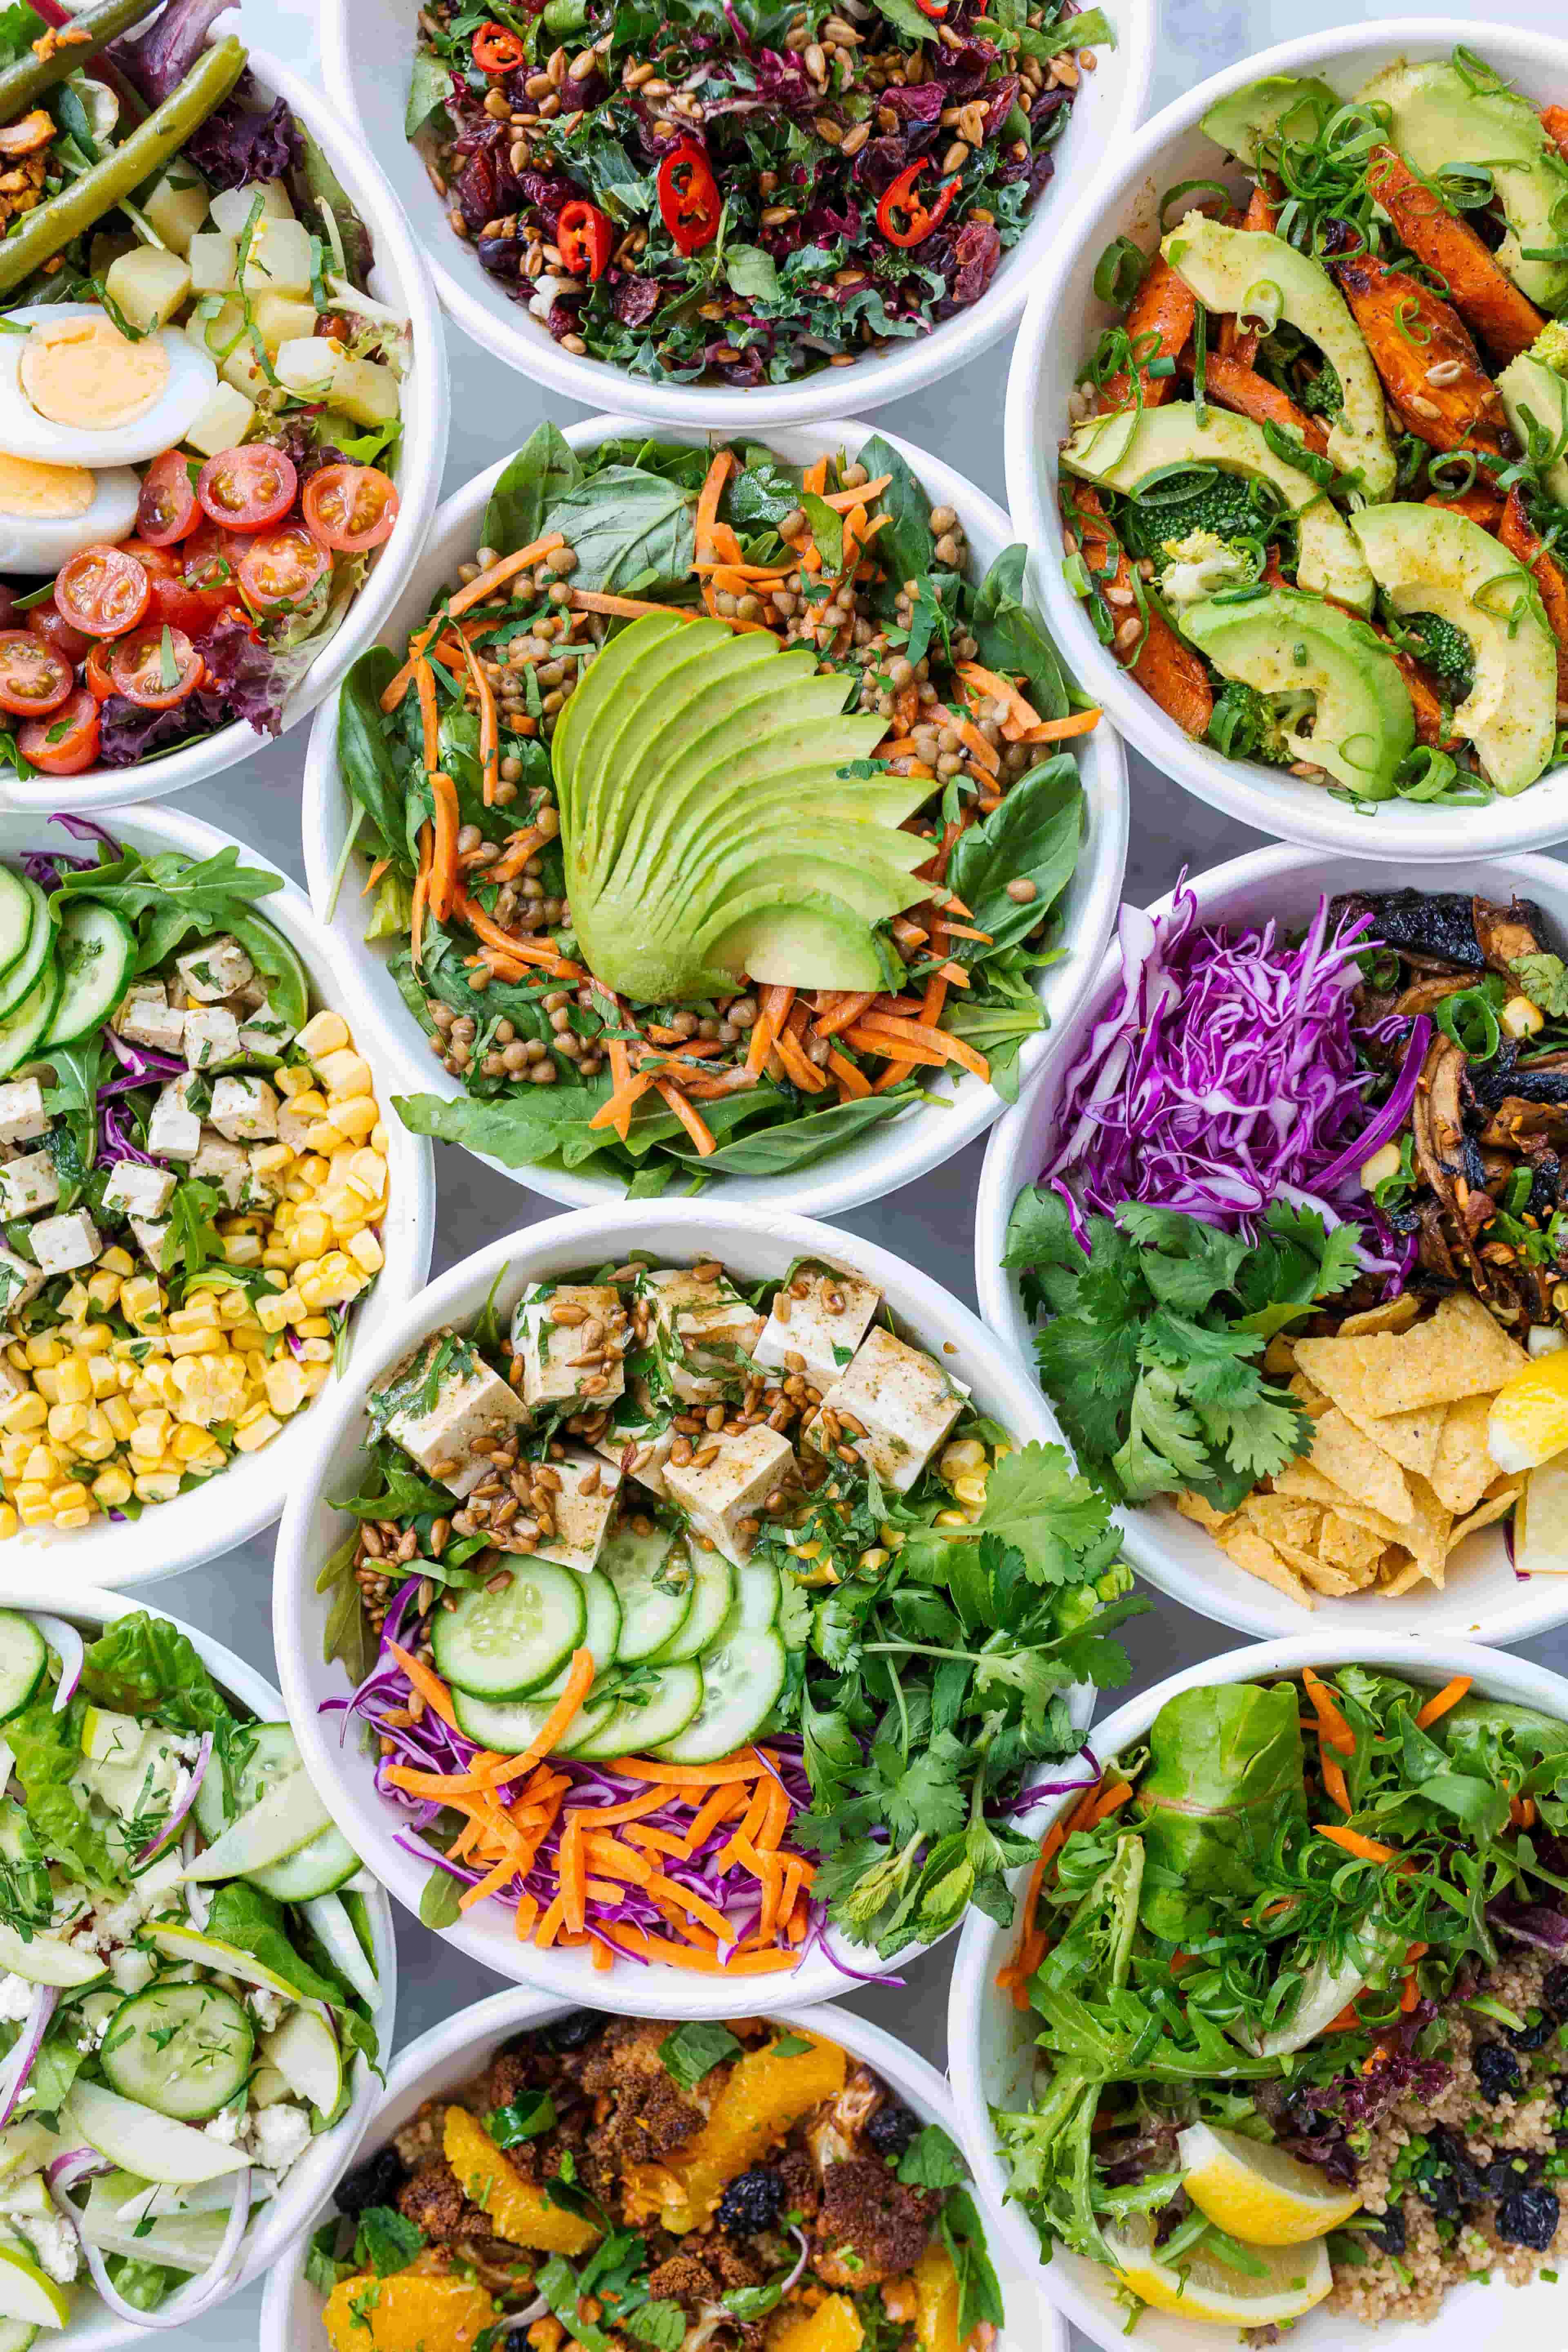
(83, 372)
(49, 491)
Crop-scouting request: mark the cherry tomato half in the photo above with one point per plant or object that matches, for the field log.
(350, 508)
(498, 50)
(166, 510)
(66, 743)
(156, 667)
(211, 569)
(103, 592)
(282, 569)
(33, 677)
(99, 681)
(46, 623)
(248, 490)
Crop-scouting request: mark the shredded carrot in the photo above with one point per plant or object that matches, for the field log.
(914, 1035)
(520, 849)
(852, 1082)
(1347, 2021)
(935, 998)
(723, 1804)
(1335, 1782)
(1110, 1802)
(724, 1772)
(430, 1686)
(483, 1888)
(527, 1913)
(1020, 713)
(1365, 1849)
(708, 499)
(578, 1683)
(550, 1927)
(690, 1117)
(846, 501)
(616, 1861)
(849, 1007)
(619, 1106)
(804, 1073)
(373, 876)
(634, 608)
(464, 601)
(642, 1834)
(421, 892)
(489, 724)
(775, 1009)
(1332, 1729)
(681, 1898)
(643, 1946)
(616, 1111)
(1441, 1701)
(815, 478)
(443, 882)
(573, 1873)
(603, 1955)
(1056, 731)
(1521, 1813)
(520, 950)
(969, 735)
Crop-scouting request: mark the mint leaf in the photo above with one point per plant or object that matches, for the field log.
(933, 2161)
(694, 2050)
(386, 2241)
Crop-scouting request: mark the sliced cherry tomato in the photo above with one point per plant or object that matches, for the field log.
(99, 682)
(498, 50)
(103, 592)
(66, 743)
(282, 569)
(46, 623)
(586, 239)
(689, 199)
(156, 667)
(166, 510)
(210, 571)
(33, 677)
(903, 217)
(248, 490)
(350, 508)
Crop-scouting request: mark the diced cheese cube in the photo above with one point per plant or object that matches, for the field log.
(18, 1282)
(244, 1109)
(139, 1191)
(232, 207)
(22, 1112)
(718, 1494)
(151, 1239)
(639, 1448)
(441, 1430)
(29, 1184)
(703, 1330)
(212, 1037)
(61, 1242)
(571, 1337)
(215, 970)
(174, 1131)
(223, 423)
(147, 1018)
(816, 1324)
(265, 1030)
(901, 1398)
(584, 1505)
(222, 1163)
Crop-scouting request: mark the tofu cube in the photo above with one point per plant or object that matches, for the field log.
(902, 1401)
(213, 970)
(584, 1503)
(245, 1110)
(212, 1037)
(22, 1113)
(441, 1431)
(703, 1330)
(152, 1240)
(639, 1448)
(265, 1030)
(138, 1192)
(147, 1018)
(12, 1383)
(261, 1192)
(222, 1163)
(18, 1282)
(572, 1337)
(733, 1486)
(62, 1244)
(817, 1322)
(174, 1131)
(27, 1184)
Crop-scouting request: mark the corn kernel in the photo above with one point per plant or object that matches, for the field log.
(34, 1513)
(75, 1382)
(256, 1433)
(271, 1313)
(344, 1073)
(298, 1188)
(97, 1442)
(188, 1444)
(379, 1138)
(357, 1117)
(141, 1301)
(117, 1412)
(17, 1354)
(104, 1374)
(314, 1351)
(315, 1377)
(950, 1519)
(116, 1261)
(197, 1343)
(245, 1336)
(44, 1351)
(67, 1422)
(970, 1492)
(310, 1105)
(25, 1412)
(157, 1486)
(47, 1384)
(14, 1453)
(102, 1288)
(271, 1158)
(285, 1386)
(243, 1249)
(324, 1033)
(73, 1515)
(199, 1313)
(8, 1521)
(367, 1252)
(323, 1136)
(111, 1487)
(149, 1435)
(293, 1081)
(369, 1174)
(75, 1302)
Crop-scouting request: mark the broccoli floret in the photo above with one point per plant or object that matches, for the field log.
(1323, 394)
(1551, 346)
(1200, 565)
(1221, 504)
(1244, 726)
(1445, 649)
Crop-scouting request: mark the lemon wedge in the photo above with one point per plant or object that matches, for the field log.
(1529, 1420)
(1258, 2193)
(1291, 2281)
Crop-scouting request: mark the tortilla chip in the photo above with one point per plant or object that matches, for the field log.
(1310, 1400)
(1426, 1536)
(1459, 1352)
(1332, 1582)
(1411, 1437)
(1342, 1544)
(1464, 1468)
(1497, 1506)
(1341, 1452)
(1247, 1547)
(1298, 1479)
(1403, 1577)
(1279, 1356)
(1280, 1520)
(1394, 1315)
(1194, 1506)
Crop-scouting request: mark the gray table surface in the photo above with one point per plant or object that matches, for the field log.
(931, 1221)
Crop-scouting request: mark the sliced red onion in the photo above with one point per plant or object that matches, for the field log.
(66, 1642)
(805, 2256)
(198, 1774)
(19, 2058)
(1390, 1119)
(193, 2302)
(63, 2172)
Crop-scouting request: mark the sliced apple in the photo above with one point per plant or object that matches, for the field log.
(331, 1922)
(140, 2141)
(187, 1945)
(304, 2049)
(287, 1818)
(47, 1960)
(185, 2242)
(28, 2294)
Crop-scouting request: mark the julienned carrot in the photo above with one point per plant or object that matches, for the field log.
(485, 928)
(483, 1888)
(1335, 1781)
(572, 1870)
(815, 478)
(681, 1898)
(1021, 713)
(430, 1686)
(489, 724)
(634, 608)
(521, 846)
(743, 1766)
(849, 1007)
(974, 742)
(690, 1117)
(578, 1683)
(851, 1081)
(643, 1946)
(708, 499)
(527, 1913)
(1056, 731)
(1365, 1849)
(620, 1079)
(616, 1111)
(464, 602)
(1110, 1802)
(1333, 1730)
(846, 501)
(1441, 1701)
(1347, 2021)
(803, 1074)
(722, 1806)
(914, 1034)
(421, 893)
(616, 1860)
(443, 882)
(643, 1833)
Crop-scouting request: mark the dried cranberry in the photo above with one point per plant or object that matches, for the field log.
(1528, 2217)
(1497, 2070)
(376, 2181)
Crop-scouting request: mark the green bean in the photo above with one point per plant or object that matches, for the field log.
(71, 213)
(25, 82)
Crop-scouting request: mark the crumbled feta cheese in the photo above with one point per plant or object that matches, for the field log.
(15, 1999)
(29, 1184)
(55, 2245)
(266, 2007)
(59, 1244)
(131, 1969)
(280, 2135)
(227, 2127)
(213, 970)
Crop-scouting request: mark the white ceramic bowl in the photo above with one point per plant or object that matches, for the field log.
(278, 2223)
(885, 1157)
(1484, 1600)
(1059, 331)
(753, 1246)
(992, 2048)
(369, 47)
(462, 2046)
(246, 1497)
(398, 278)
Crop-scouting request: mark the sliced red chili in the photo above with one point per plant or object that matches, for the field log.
(498, 50)
(688, 200)
(931, 9)
(586, 239)
(903, 217)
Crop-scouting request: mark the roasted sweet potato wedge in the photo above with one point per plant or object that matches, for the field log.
(1521, 539)
(1167, 670)
(1166, 308)
(1477, 504)
(1421, 349)
(1554, 119)
(1233, 384)
(1489, 303)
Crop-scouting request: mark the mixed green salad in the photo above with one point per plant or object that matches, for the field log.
(189, 1974)
(717, 812)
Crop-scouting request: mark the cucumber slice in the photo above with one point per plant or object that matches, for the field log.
(601, 1632)
(654, 1583)
(95, 955)
(274, 1755)
(289, 1816)
(668, 1703)
(508, 1727)
(504, 1644)
(756, 1596)
(183, 2050)
(712, 1593)
(24, 1655)
(24, 1025)
(18, 2335)
(21, 975)
(328, 1863)
(742, 1677)
(16, 915)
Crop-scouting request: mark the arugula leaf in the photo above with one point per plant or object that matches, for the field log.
(253, 1922)
(751, 271)
(429, 87)
(694, 2050)
(182, 894)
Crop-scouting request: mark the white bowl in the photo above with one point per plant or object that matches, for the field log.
(991, 2049)
(1484, 1600)
(240, 1501)
(756, 1247)
(1060, 328)
(279, 2222)
(462, 2046)
(369, 47)
(885, 1157)
(398, 278)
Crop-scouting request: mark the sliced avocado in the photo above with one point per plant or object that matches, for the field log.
(1125, 450)
(1287, 106)
(1228, 268)
(774, 942)
(1438, 116)
(1428, 560)
(1532, 393)
(1285, 642)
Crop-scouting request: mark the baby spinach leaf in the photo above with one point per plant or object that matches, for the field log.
(1010, 638)
(631, 531)
(1032, 837)
(366, 758)
(795, 1143)
(542, 472)
(907, 549)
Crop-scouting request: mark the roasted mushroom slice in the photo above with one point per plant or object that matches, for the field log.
(1505, 933)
